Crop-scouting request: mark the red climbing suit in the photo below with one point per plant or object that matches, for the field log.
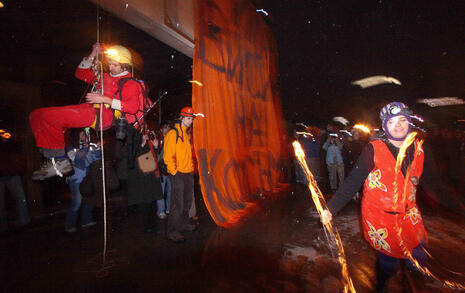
(383, 216)
(48, 124)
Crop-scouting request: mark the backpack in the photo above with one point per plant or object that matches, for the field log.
(161, 163)
(122, 81)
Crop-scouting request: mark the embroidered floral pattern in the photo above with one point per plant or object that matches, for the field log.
(412, 196)
(414, 215)
(378, 237)
(374, 180)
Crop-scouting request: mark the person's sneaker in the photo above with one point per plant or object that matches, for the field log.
(162, 216)
(88, 225)
(52, 168)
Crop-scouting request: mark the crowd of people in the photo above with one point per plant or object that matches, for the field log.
(333, 147)
(152, 167)
(155, 166)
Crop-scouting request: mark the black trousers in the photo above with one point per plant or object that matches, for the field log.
(146, 215)
(182, 185)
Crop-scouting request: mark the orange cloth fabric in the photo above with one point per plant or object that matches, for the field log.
(239, 143)
(383, 216)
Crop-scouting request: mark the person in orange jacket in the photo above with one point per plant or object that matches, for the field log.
(392, 222)
(49, 124)
(177, 155)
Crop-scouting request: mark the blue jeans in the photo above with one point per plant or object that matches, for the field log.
(165, 187)
(15, 187)
(76, 204)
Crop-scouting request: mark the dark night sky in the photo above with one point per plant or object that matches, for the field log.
(323, 46)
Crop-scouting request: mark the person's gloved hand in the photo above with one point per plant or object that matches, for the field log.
(326, 217)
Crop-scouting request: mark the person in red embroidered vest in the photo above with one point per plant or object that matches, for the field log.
(49, 124)
(391, 220)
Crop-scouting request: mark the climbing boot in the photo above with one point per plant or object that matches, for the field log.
(52, 167)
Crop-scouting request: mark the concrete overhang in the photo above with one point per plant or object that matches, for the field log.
(170, 21)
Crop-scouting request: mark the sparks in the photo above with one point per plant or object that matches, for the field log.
(403, 148)
(362, 127)
(196, 82)
(400, 157)
(6, 135)
(320, 205)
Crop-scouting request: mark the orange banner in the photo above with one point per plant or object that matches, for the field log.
(239, 144)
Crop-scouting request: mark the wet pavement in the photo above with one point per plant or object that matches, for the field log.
(280, 248)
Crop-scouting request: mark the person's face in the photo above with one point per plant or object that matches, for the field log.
(165, 129)
(82, 136)
(187, 121)
(114, 67)
(398, 126)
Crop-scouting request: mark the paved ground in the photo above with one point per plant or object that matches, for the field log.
(280, 249)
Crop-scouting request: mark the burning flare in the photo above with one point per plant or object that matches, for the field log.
(362, 127)
(400, 157)
(4, 134)
(320, 205)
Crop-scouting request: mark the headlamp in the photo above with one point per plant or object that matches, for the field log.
(394, 110)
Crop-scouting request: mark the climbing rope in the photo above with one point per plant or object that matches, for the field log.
(99, 78)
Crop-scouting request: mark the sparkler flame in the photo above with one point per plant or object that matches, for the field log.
(320, 205)
(400, 157)
(4, 134)
(362, 127)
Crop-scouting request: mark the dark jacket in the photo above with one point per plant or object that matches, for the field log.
(142, 188)
(91, 186)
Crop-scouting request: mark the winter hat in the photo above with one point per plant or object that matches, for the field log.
(391, 110)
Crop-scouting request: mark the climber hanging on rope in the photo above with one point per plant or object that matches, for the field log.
(122, 96)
